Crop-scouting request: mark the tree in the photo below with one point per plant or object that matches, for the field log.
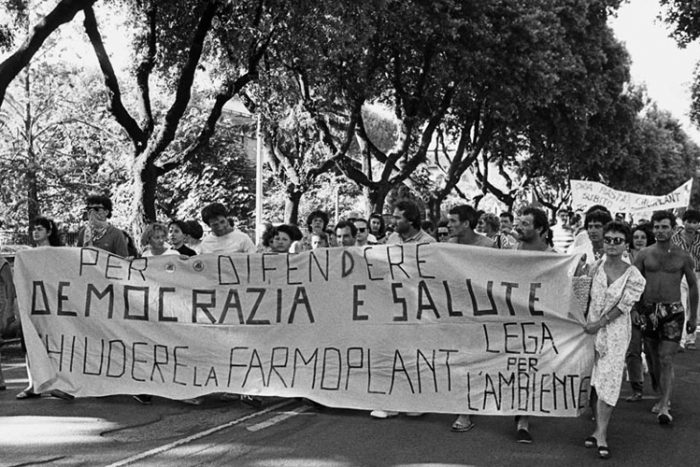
(53, 135)
(62, 13)
(684, 17)
(174, 38)
(659, 158)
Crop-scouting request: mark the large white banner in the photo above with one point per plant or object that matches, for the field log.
(585, 194)
(416, 327)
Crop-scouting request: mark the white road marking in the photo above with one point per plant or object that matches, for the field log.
(277, 419)
(201, 434)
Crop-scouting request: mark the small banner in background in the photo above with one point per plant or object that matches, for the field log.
(585, 194)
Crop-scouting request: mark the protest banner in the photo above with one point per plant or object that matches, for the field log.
(585, 194)
(416, 327)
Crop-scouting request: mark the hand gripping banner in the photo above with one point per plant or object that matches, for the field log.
(416, 327)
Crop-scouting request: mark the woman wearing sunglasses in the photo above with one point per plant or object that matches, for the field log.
(616, 287)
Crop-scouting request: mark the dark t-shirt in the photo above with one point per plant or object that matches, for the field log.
(185, 250)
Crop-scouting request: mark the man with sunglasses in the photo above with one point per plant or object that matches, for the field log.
(661, 312)
(98, 232)
(363, 236)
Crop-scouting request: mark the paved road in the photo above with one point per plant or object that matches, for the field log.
(111, 430)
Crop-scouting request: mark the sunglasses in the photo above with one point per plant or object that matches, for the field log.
(362, 229)
(613, 240)
(442, 233)
(94, 208)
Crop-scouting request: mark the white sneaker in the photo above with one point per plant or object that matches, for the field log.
(383, 414)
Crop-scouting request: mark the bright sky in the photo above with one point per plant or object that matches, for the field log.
(657, 61)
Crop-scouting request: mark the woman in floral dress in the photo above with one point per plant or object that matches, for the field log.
(616, 287)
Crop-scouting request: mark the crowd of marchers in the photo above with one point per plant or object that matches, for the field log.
(640, 278)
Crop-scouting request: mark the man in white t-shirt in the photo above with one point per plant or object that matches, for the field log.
(223, 238)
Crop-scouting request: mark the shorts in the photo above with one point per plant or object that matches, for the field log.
(662, 321)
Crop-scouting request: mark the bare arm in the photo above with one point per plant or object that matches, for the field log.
(689, 272)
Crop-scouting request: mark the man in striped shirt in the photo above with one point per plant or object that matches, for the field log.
(688, 238)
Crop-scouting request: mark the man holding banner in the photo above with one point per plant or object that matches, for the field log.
(532, 229)
(664, 265)
(407, 218)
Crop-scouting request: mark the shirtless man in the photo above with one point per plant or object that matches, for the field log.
(661, 313)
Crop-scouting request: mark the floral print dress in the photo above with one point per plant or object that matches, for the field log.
(612, 340)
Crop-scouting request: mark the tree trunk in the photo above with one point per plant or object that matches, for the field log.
(377, 196)
(144, 182)
(62, 13)
(435, 207)
(291, 204)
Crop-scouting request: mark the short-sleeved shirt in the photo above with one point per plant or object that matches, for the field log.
(420, 237)
(693, 248)
(479, 240)
(113, 241)
(185, 250)
(233, 242)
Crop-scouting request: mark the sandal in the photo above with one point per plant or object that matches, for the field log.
(590, 442)
(636, 397)
(459, 427)
(664, 418)
(27, 394)
(604, 452)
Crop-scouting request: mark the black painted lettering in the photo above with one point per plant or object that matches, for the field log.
(448, 296)
(88, 257)
(347, 263)
(143, 262)
(475, 305)
(251, 317)
(419, 261)
(143, 291)
(232, 301)
(425, 301)
(120, 349)
(395, 264)
(107, 292)
(323, 269)
(300, 298)
(203, 305)
(404, 307)
(227, 272)
(509, 292)
(313, 358)
(135, 360)
(62, 298)
(161, 304)
(357, 303)
(274, 366)
(157, 362)
(176, 364)
(338, 364)
(114, 262)
(46, 310)
(289, 270)
(534, 299)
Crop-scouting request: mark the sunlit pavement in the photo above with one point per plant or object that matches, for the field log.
(109, 430)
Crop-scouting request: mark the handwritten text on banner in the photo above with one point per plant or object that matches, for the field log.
(585, 194)
(416, 327)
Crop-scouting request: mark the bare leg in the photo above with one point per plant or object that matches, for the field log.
(604, 412)
(667, 350)
(462, 423)
(2, 380)
(524, 422)
(652, 352)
